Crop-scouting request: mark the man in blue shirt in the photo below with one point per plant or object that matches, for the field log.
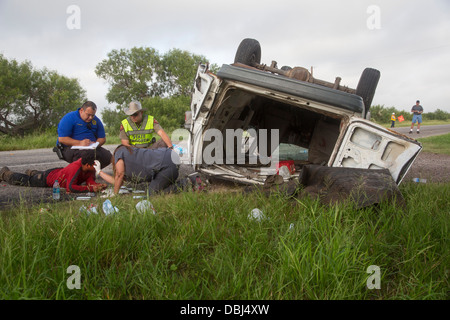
(81, 128)
(417, 111)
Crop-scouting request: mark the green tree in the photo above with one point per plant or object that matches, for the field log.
(34, 99)
(180, 68)
(162, 83)
(140, 73)
(132, 74)
(169, 112)
(438, 115)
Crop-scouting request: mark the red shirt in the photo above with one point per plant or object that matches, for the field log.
(71, 178)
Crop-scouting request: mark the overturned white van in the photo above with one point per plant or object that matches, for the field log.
(249, 112)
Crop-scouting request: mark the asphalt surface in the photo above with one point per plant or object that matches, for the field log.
(425, 131)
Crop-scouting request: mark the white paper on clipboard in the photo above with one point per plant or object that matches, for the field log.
(91, 146)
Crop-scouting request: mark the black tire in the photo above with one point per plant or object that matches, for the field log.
(248, 52)
(367, 85)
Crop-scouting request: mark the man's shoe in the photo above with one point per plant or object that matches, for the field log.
(418, 131)
(410, 131)
(30, 172)
(3, 172)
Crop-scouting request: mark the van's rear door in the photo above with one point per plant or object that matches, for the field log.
(205, 88)
(369, 146)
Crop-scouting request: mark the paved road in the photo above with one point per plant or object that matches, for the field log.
(425, 131)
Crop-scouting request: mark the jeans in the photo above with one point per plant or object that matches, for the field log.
(37, 180)
(165, 177)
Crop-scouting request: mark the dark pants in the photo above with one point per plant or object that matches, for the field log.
(37, 180)
(158, 144)
(393, 124)
(101, 154)
(166, 177)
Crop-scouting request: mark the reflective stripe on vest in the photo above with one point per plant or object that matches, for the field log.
(139, 137)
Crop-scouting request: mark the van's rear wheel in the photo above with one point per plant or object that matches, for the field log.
(248, 52)
(367, 85)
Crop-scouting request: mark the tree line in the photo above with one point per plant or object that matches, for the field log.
(382, 114)
(36, 99)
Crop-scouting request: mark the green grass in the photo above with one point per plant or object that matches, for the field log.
(436, 144)
(31, 141)
(203, 246)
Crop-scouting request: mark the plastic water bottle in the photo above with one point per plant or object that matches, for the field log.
(108, 207)
(179, 149)
(56, 191)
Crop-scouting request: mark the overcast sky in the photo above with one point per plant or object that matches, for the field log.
(408, 41)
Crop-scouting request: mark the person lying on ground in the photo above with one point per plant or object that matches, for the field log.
(157, 167)
(71, 177)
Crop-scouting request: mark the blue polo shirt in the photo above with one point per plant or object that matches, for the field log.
(71, 125)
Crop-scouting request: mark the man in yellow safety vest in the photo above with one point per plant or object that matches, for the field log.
(139, 129)
(393, 119)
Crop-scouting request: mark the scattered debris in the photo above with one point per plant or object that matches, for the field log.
(257, 215)
(92, 208)
(108, 207)
(83, 198)
(145, 206)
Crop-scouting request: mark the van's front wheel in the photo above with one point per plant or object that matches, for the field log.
(248, 52)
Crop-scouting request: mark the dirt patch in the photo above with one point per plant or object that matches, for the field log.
(430, 166)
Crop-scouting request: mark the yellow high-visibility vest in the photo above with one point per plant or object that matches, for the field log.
(139, 137)
(392, 118)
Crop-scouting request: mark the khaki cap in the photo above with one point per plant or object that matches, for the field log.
(133, 107)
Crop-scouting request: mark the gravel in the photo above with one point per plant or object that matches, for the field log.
(431, 166)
